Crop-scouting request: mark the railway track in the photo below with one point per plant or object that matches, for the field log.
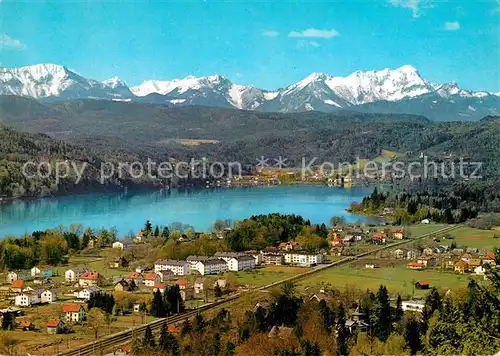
(123, 337)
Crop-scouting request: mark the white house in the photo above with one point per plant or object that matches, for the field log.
(86, 293)
(479, 270)
(117, 244)
(151, 278)
(74, 274)
(180, 268)
(241, 263)
(17, 275)
(413, 305)
(48, 296)
(26, 299)
(303, 258)
(73, 312)
(42, 271)
(212, 266)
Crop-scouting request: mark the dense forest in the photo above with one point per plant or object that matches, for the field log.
(461, 322)
(453, 203)
(92, 132)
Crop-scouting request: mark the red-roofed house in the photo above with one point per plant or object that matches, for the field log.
(55, 326)
(379, 237)
(398, 234)
(73, 312)
(17, 286)
(159, 286)
(151, 278)
(88, 279)
(422, 285)
(415, 265)
(182, 283)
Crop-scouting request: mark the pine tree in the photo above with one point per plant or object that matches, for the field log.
(399, 309)
(157, 231)
(381, 315)
(167, 342)
(148, 228)
(149, 339)
(157, 306)
(342, 333)
(217, 291)
(186, 328)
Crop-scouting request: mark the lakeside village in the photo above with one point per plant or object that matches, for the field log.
(120, 279)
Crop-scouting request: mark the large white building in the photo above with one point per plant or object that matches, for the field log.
(241, 263)
(303, 258)
(193, 260)
(26, 299)
(413, 305)
(179, 268)
(212, 266)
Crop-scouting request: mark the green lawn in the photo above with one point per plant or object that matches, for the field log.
(397, 279)
(470, 237)
(266, 275)
(421, 229)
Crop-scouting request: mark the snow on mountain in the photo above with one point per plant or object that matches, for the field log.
(52, 80)
(391, 85)
(318, 91)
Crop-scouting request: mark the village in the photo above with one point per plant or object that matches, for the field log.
(66, 293)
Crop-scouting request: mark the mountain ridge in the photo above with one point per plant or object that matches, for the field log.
(317, 92)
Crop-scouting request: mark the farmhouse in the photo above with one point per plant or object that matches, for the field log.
(119, 262)
(461, 266)
(179, 268)
(199, 285)
(55, 326)
(121, 286)
(89, 279)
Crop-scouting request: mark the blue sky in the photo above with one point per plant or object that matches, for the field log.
(266, 44)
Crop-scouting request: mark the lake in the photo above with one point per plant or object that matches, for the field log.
(198, 208)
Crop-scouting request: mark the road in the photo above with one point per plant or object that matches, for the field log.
(113, 341)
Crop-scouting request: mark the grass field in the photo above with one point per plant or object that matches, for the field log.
(267, 275)
(470, 237)
(421, 229)
(397, 279)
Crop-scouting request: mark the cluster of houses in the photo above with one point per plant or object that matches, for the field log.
(459, 260)
(341, 237)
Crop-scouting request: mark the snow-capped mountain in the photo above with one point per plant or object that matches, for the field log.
(384, 90)
(54, 81)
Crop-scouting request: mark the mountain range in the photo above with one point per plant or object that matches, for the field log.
(401, 90)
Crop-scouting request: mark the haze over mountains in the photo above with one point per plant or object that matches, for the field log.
(402, 90)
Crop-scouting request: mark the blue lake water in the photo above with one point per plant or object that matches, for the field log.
(198, 208)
